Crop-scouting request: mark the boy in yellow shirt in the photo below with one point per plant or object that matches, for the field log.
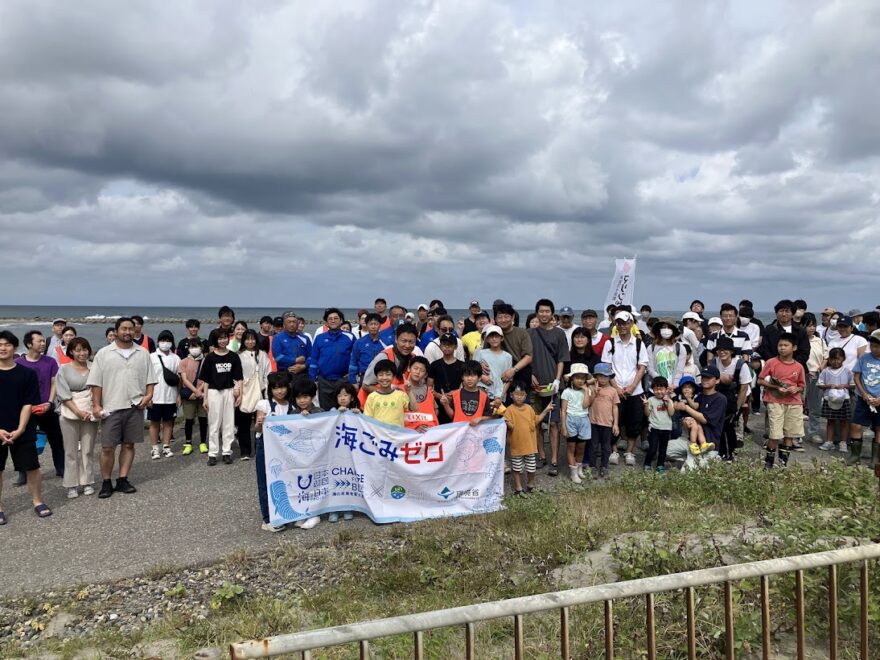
(387, 403)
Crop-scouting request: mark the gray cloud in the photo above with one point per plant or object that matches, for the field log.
(420, 148)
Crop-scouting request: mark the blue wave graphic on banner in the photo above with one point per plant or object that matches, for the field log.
(281, 500)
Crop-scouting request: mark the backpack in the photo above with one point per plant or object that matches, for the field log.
(638, 347)
(731, 390)
(272, 406)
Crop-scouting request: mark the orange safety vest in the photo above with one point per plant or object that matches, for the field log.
(144, 342)
(272, 364)
(62, 356)
(397, 382)
(424, 416)
(385, 325)
(459, 413)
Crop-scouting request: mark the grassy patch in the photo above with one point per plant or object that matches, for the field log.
(650, 525)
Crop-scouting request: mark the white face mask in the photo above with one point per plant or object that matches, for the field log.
(744, 321)
(666, 333)
(195, 352)
(164, 346)
(833, 323)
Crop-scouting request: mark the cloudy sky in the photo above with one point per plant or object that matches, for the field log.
(309, 153)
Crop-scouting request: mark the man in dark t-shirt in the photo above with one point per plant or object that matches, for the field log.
(19, 392)
(713, 405)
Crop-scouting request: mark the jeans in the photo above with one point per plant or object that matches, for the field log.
(262, 492)
(600, 446)
(814, 405)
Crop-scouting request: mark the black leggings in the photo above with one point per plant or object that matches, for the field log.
(244, 421)
(599, 446)
(188, 430)
(728, 438)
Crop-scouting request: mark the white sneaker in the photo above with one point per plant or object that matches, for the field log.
(166, 452)
(816, 439)
(614, 458)
(72, 493)
(580, 468)
(573, 471)
(629, 458)
(826, 446)
(841, 447)
(308, 523)
(154, 454)
(269, 527)
(88, 490)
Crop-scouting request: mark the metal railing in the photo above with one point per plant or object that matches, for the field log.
(469, 615)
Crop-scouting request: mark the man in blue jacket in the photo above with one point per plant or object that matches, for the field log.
(365, 349)
(396, 315)
(291, 349)
(330, 358)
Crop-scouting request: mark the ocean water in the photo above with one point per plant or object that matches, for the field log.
(19, 319)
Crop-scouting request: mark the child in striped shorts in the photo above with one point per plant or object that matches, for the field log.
(522, 424)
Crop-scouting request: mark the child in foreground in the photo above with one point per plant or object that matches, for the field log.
(604, 412)
(576, 401)
(687, 391)
(783, 380)
(387, 403)
(278, 403)
(469, 404)
(522, 423)
(659, 410)
(346, 401)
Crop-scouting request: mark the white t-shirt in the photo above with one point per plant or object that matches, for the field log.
(754, 333)
(264, 407)
(624, 360)
(745, 376)
(851, 346)
(163, 393)
(433, 352)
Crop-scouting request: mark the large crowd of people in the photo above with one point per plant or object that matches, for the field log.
(667, 390)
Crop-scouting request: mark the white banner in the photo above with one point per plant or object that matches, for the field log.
(342, 461)
(622, 284)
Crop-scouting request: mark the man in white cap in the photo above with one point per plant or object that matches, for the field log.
(691, 325)
(470, 323)
(628, 359)
(566, 323)
(58, 326)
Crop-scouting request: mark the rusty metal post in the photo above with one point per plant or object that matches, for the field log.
(728, 621)
(418, 645)
(563, 633)
(609, 630)
(765, 617)
(650, 632)
(469, 644)
(691, 623)
(518, 637)
(833, 628)
(863, 598)
(799, 612)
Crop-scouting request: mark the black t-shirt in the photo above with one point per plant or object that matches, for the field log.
(469, 326)
(446, 377)
(263, 342)
(19, 387)
(220, 371)
(713, 407)
(470, 401)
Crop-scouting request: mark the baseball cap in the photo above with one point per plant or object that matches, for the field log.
(492, 329)
(710, 371)
(589, 313)
(474, 303)
(844, 320)
(692, 316)
(829, 311)
(288, 315)
(874, 336)
(566, 311)
(278, 321)
(59, 320)
(855, 312)
(623, 316)
(423, 306)
(715, 321)
(448, 338)
(497, 302)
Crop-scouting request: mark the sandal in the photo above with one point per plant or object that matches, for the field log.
(42, 511)
(554, 470)
(3, 519)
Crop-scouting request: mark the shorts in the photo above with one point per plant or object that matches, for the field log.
(578, 427)
(123, 426)
(632, 415)
(24, 456)
(162, 412)
(540, 402)
(193, 408)
(530, 463)
(863, 416)
(785, 420)
(842, 413)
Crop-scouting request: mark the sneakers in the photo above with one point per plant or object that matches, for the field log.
(188, 449)
(580, 468)
(203, 448)
(696, 450)
(647, 468)
(519, 493)
(154, 454)
(227, 459)
(72, 493)
(573, 473)
(603, 473)
(88, 490)
(841, 447)
(245, 458)
(661, 469)
(269, 527)
(333, 517)
(708, 446)
(614, 459)
(106, 489)
(629, 458)
(553, 471)
(123, 485)
(166, 452)
(308, 523)
(212, 461)
(348, 515)
(826, 446)
(798, 446)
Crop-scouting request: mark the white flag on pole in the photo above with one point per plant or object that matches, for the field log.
(623, 283)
